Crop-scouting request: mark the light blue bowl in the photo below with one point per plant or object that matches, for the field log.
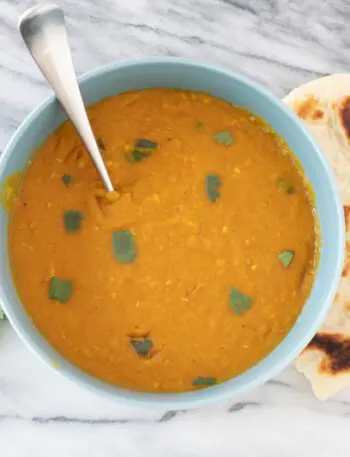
(176, 73)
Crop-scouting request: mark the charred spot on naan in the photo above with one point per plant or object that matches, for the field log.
(347, 217)
(344, 112)
(307, 107)
(346, 268)
(310, 109)
(317, 114)
(337, 350)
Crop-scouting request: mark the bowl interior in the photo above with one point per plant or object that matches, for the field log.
(238, 90)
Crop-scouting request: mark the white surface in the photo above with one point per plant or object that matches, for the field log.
(279, 43)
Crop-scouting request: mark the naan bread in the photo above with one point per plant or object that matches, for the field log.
(324, 105)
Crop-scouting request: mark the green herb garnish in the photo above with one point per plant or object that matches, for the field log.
(124, 246)
(72, 220)
(67, 180)
(204, 381)
(199, 125)
(143, 143)
(142, 347)
(224, 137)
(60, 289)
(286, 258)
(2, 315)
(239, 302)
(212, 186)
(137, 155)
(100, 144)
(143, 148)
(285, 186)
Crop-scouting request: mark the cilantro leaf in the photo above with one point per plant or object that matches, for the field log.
(100, 144)
(72, 220)
(224, 137)
(67, 180)
(142, 347)
(286, 258)
(239, 302)
(60, 289)
(143, 148)
(212, 186)
(124, 246)
(204, 381)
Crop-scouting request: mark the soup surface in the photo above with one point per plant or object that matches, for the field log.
(193, 270)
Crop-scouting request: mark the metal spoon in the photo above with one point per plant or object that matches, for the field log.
(44, 32)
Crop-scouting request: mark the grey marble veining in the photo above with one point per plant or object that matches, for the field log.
(280, 44)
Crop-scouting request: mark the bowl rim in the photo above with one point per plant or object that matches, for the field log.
(266, 368)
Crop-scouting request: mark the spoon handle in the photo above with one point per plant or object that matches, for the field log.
(44, 32)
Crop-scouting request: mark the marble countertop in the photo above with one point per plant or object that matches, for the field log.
(279, 43)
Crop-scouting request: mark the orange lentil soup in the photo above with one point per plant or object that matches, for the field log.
(194, 269)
